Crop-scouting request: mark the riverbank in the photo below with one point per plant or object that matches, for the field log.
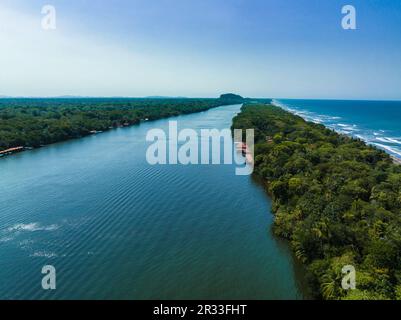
(47, 121)
(330, 193)
(11, 151)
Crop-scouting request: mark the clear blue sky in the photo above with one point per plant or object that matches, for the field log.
(259, 48)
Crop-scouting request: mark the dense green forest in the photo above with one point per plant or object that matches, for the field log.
(335, 198)
(37, 122)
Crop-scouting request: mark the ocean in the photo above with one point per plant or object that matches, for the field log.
(376, 122)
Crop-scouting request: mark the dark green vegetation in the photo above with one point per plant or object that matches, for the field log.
(36, 122)
(232, 98)
(335, 198)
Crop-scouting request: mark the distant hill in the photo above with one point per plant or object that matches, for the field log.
(227, 97)
(232, 98)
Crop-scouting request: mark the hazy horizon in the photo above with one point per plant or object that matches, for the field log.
(181, 97)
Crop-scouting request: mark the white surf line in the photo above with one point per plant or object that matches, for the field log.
(352, 127)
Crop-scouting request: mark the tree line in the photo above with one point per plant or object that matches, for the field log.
(335, 198)
(32, 123)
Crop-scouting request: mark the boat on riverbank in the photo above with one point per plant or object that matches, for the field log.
(11, 151)
(243, 147)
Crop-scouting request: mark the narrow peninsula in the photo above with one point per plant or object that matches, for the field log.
(335, 198)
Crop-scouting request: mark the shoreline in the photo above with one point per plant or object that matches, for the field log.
(396, 160)
(23, 148)
(392, 156)
(304, 205)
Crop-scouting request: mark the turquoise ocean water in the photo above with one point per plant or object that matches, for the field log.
(376, 122)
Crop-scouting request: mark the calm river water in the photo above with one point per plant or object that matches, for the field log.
(115, 227)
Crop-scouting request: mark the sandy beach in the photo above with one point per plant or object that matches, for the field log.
(396, 160)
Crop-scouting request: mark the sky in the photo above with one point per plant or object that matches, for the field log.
(201, 48)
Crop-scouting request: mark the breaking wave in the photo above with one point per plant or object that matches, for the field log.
(378, 138)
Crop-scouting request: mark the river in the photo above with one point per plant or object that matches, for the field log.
(115, 227)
